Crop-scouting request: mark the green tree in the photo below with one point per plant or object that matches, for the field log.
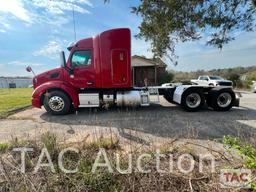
(235, 78)
(166, 77)
(168, 22)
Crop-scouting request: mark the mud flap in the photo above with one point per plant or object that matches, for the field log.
(237, 102)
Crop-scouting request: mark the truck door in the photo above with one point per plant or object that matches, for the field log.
(120, 68)
(83, 72)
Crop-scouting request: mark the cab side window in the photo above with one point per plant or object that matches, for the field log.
(81, 58)
(204, 78)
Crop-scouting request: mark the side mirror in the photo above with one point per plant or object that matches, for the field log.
(63, 59)
(29, 69)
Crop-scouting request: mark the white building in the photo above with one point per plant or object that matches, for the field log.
(15, 82)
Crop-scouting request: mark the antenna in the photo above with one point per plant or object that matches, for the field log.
(73, 13)
(74, 22)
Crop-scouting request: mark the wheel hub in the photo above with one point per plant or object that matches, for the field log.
(193, 100)
(56, 103)
(224, 100)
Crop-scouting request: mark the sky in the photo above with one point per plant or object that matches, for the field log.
(33, 32)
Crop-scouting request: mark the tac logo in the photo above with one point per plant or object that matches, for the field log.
(235, 178)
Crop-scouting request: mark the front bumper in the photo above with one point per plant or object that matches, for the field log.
(228, 84)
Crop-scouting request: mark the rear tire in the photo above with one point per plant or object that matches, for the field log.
(193, 100)
(57, 103)
(221, 100)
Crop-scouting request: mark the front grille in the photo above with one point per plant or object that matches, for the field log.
(225, 83)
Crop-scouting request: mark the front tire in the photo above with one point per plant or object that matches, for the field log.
(193, 100)
(57, 103)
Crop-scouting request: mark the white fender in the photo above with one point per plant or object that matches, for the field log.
(177, 96)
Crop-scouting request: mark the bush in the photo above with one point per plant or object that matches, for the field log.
(247, 150)
(166, 77)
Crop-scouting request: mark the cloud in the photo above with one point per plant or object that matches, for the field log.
(15, 8)
(56, 21)
(60, 6)
(51, 12)
(51, 50)
(22, 63)
(237, 53)
(2, 31)
(140, 47)
(4, 25)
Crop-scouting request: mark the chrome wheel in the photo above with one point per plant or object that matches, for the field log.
(193, 100)
(56, 103)
(224, 100)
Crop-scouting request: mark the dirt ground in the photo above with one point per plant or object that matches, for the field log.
(142, 125)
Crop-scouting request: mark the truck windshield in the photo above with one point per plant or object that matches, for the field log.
(216, 78)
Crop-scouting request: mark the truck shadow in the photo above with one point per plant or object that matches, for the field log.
(164, 121)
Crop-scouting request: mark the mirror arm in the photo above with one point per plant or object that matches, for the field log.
(70, 70)
(64, 63)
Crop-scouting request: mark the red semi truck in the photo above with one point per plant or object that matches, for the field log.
(98, 72)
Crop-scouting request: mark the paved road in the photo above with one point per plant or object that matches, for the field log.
(160, 121)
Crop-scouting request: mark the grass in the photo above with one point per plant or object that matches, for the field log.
(12, 179)
(14, 99)
(4, 146)
(44, 180)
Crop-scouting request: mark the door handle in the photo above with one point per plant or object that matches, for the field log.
(90, 82)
